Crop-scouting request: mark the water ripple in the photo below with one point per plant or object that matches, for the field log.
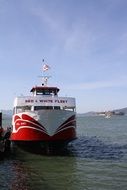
(92, 147)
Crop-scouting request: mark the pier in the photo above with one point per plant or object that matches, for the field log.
(4, 138)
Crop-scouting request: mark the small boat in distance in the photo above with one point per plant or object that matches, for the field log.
(108, 115)
(43, 118)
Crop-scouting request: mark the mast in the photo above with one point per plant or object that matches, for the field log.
(45, 77)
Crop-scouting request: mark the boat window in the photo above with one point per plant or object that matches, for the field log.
(42, 107)
(26, 108)
(19, 110)
(46, 107)
(47, 92)
(22, 109)
(69, 108)
(57, 107)
(44, 92)
(39, 93)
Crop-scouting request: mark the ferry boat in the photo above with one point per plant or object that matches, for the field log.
(44, 118)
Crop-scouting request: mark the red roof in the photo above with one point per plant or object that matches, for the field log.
(41, 88)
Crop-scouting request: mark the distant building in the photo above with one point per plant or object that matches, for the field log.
(110, 113)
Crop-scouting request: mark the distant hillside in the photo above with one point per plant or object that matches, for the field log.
(124, 110)
(92, 113)
(8, 113)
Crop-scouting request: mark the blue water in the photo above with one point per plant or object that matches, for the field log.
(97, 160)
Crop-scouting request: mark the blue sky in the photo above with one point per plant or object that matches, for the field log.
(83, 41)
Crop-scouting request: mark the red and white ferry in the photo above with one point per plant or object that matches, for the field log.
(44, 117)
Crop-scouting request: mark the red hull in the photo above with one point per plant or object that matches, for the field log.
(32, 135)
(28, 129)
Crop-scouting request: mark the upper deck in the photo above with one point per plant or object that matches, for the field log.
(44, 97)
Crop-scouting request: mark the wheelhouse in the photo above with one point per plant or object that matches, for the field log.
(45, 91)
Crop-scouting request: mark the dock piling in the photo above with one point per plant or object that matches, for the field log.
(0, 119)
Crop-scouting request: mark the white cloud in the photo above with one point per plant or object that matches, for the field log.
(74, 37)
(79, 38)
(51, 21)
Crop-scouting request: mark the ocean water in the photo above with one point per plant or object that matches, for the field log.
(96, 160)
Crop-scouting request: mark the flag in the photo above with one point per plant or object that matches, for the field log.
(46, 67)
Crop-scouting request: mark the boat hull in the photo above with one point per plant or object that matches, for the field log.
(44, 127)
